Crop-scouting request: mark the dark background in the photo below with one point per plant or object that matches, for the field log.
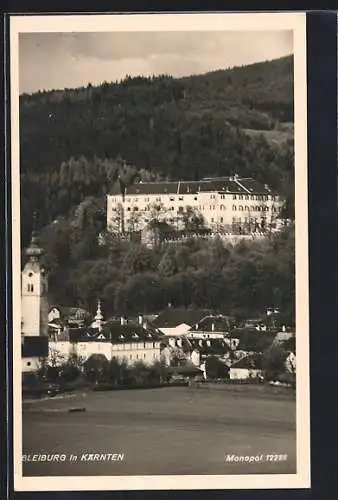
(323, 231)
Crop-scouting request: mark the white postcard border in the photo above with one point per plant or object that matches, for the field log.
(174, 22)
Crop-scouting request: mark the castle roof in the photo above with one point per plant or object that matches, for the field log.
(230, 185)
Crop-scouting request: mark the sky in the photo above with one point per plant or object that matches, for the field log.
(67, 60)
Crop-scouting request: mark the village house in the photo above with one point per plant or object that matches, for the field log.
(128, 341)
(175, 322)
(60, 316)
(247, 367)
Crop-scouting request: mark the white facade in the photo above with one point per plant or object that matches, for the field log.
(219, 209)
(244, 373)
(33, 300)
(54, 314)
(148, 352)
(30, 365)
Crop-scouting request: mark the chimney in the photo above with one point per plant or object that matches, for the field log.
(283, 328)
(212, 327)
(122, 320)
(140, 319)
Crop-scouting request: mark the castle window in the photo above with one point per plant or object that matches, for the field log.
(246, 207)
(195, 197)
(252, 197)
(180, 198)
(240, 207)
(128, 209)
(221, 219)
(29, 363)
(234, 197)
(241, 197)
(247, 197)
(30, 288)
(234, 208)
(30, 274)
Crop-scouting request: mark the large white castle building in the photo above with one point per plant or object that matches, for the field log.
(225, 204)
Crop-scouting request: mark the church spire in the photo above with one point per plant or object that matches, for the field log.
(34, 251)
(99, 316)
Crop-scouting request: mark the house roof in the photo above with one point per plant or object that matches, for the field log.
(250, 338)
(187, 369)
(172, 317)
(114, 332)
(66, 311)
(35, 347)
(209, 346)
(85, 334)
(221, 324)
(229, 185)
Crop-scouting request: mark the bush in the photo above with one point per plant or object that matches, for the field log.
(273, 363)
(215, 369)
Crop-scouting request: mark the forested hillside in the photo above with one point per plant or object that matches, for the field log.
(75, 142)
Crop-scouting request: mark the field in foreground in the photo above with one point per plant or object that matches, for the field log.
(163, 431)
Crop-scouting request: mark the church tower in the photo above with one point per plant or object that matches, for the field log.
(34, 288)
(98, 318)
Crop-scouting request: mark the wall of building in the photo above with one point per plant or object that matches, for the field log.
(243, 373)
(30, 365)
(219, 210)
(148, 352)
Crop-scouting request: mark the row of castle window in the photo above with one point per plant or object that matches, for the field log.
(212, 197)
(30, 288)
(213, 207)
(127, 346)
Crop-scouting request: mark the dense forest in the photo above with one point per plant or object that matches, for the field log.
(130, 278)
(75, 143)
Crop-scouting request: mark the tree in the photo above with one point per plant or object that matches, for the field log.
(167, 266)
(96, 367)
(192, 219)
(177, 357)
(215, 368)
(273, 363)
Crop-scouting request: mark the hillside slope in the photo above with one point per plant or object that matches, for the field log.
(74, 141)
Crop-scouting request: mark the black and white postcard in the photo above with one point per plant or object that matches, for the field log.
(160, 251)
